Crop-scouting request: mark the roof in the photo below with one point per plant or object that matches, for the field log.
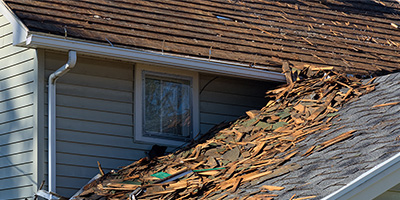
(358, 37)
(376, 140)
(291, 144)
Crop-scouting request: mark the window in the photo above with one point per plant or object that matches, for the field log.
(166, 105)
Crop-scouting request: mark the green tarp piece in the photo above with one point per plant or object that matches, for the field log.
(161, 175)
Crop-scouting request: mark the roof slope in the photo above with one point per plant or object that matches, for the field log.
(359, 37)
(306, 151)
(376, 140)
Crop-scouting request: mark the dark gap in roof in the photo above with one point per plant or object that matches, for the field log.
(364, 7)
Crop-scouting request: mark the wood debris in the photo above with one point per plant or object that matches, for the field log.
(386, 104)
(250, 151)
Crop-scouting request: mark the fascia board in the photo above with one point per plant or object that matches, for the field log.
(49, 42)
(20, 31)
(372, 183)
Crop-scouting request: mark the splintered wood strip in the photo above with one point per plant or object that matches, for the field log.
(322, 107)
(131, 177)
(258, 148)
(339, 138)
(386, 104)
(348, 93)
(303, 198)
(236, 185)
(278, 172)
(177, 186)
(122, 185)
(254, 175)
(252, 113)
(100, 169)
(239, 135)
(209, 192)
(123, 188)
(231, 170)
(263, 165)
(343, 84)
(285, 147)
(370, 81)
(291, 155)
(288, 72)
(184, 197)
(209, 173)
(273, 137)
(261, 196)
(157, 193)
(197, 165)
(309, 151)
(272, 188)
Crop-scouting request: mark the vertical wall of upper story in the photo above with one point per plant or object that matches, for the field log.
(226, 98)
(94, 119)
(18, 178)
(95, 114)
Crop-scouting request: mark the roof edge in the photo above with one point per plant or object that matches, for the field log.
(20, 31)
(371, 183)
(51, 42)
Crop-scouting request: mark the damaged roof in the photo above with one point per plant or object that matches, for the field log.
(376, 140)
(313, 138)
(357, 37)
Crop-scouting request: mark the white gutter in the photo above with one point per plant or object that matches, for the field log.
(52, 117)
(225, 68)
(372, 183)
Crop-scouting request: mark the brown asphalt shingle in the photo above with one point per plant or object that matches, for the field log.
(358, 37)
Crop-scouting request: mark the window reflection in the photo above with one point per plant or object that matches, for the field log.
(167, 106)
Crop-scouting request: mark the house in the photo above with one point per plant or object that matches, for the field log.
(158, 72)
(286, 150)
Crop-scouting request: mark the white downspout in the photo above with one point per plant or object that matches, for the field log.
(52, 117)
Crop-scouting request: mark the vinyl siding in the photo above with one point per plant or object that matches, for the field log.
(392, 194)
(95, 115)
(17, 180)
(226, 98)
(94, 119)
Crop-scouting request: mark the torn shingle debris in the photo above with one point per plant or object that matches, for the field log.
(249, 152)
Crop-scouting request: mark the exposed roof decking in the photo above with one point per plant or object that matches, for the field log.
(264, 33)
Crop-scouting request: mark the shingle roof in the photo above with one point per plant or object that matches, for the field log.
(359, 37)
(376, 140)
(282, 155)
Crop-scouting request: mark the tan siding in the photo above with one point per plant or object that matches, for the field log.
(16, 117)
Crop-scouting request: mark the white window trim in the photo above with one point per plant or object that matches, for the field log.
(138, 103)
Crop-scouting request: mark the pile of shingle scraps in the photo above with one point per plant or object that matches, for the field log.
(252, 150)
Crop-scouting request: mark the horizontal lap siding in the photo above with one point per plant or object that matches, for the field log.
(226, 99)
(16, 117)
(95, 115)
(94, 119)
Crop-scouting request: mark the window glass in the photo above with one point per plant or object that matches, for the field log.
(167, 106)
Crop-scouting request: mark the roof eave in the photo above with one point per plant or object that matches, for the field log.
(53, 42)
(371, 183)
(20, 31)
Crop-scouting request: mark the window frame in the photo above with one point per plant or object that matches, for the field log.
(140, 70)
